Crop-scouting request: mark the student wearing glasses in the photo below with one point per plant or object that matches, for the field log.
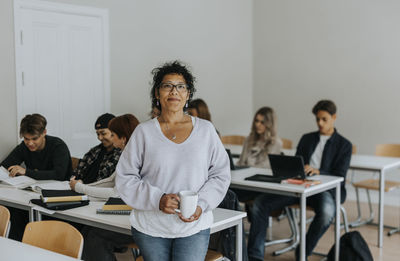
(45, 157)
(324, 152)
(166, 155)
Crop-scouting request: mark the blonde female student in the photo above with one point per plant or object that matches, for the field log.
(263, 140)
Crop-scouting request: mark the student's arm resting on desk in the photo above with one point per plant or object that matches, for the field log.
(219, 176)
(61, 161)
(14, 158)
(93, 191)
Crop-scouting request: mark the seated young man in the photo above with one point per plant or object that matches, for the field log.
(324, 152)
(100, 161)
(45, 157)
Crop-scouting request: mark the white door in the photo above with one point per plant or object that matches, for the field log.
(62, 68)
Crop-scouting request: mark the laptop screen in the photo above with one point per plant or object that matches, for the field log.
(287, 166)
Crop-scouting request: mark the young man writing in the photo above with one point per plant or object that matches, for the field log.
(45, 158)
(324, 152)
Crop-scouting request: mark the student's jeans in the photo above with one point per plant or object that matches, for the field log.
(324, 208)
(191, 248)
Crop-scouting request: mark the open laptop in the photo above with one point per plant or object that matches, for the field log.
(283, 167)
(233, 166)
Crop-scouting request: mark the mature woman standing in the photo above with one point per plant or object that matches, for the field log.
(166, 155)
(263, 140)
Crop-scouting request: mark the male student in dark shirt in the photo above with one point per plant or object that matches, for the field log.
(324, 152)
(45, 158)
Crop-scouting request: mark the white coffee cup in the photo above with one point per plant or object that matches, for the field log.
(188, 203)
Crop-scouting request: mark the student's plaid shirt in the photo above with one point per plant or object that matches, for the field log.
(107, 166)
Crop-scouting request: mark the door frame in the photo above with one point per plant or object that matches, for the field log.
(100, 13)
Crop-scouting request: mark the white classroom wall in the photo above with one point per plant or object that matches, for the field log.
(213, 37)
(286, 54)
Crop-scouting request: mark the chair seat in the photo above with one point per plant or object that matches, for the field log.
(373, 184)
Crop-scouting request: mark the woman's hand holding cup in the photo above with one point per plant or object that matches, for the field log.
(192, 218)
(168, 203)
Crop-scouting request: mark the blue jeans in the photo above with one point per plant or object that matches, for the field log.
(191, 248)
(324, 208)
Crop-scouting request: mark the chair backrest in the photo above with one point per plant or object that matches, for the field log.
(286, 143)
(4, 221)
(388, 150)
(233, 139)
(55, 236)
(75, 162)
(354, 149)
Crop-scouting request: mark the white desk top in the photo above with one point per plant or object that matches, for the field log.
(238, 177)
(88, 213)
(15, 250)
(372, 162)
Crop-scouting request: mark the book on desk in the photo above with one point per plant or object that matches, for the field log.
(66, 195)
(115, 206)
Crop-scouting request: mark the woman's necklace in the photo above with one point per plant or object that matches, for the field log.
(173, 135)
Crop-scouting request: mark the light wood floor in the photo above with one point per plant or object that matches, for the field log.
(389, 252)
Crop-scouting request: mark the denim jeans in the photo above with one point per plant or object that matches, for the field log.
(324, 208)
(191, 248)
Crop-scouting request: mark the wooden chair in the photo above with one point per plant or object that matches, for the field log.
(75, 162)
(233, 139)
(287, 144)
(385, 150)
(4, 221)
(55, 236)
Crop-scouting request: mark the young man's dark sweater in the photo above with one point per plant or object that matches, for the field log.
(52, 162)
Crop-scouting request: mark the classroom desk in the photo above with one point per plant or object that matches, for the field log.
(15, 250)
(17, 198)
(358, 162)
(381, 165)
(327, 182)
(223, 218)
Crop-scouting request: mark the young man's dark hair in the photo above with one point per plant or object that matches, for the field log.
(324, 105)
(34, 124)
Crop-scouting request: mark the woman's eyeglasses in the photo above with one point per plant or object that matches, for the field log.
(180, 87)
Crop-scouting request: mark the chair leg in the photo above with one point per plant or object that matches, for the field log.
(360, 222)
(393, 231)
(345, 221)
(295, 231)
(358, 219)
(284, 240)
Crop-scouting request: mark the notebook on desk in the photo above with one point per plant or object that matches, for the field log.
(283, 167)
(233, 166)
